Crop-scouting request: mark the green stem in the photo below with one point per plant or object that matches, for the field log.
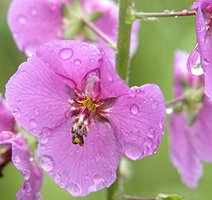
(123, 42)
(113, 190)
(143, 15)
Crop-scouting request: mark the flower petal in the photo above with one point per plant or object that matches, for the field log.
(37, 97)
(138, 120)
(35, 22)
(7, 121)
(71, 59)
(111, 84)
(183, 154)
(81, 170)
(24, 163)
(201, 132)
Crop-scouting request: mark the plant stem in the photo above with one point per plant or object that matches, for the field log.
(98, 32)
(141, 15)
(113, 190)
(136, 198)
(123, 41)
(174, 101)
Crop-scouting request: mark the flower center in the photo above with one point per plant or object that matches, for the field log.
(84, 111)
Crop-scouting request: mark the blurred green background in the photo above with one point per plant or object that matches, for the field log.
(151, 64)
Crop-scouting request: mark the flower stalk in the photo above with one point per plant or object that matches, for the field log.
(123, 41)
(98, 32)
(183, 13)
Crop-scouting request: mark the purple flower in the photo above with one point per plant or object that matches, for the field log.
(201, 54)
(23, 161)
(16, 150)
(36, 22)
(85, 115)
(190, 129)
(7, 121)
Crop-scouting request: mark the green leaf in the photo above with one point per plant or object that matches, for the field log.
(169, 197)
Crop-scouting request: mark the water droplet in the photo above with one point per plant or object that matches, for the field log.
(92, 60)
(154, 103)
(161, 125)
(43, 140)
(151, 132)
(20, 102)
(132, 151)
(46, 131)
(33, 11)
(47, 162)
(134, 109)
(22, 19)
(77, 62)
(16, 113)
(30, 48)
(26, 174)
(74, 189)
(33, 124)
(27, 187)
(17, 159)
(148, 143)
(84, 46)
(197, 70)
(36, 111)
(98, 180)
(169, 111)
(66, 53)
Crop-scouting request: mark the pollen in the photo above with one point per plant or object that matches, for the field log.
(89, 104)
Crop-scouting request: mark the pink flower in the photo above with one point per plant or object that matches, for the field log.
(7, 121)
(203, 50)
(36, 22)
(190, 129)
(17, 150)
(85, 115)
(23, 161)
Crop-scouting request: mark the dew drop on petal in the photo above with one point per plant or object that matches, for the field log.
(134, 109)
(197, 70)
(33, 11)
(74, 189)
(151, 132)
(148, 143)
(38, 196)
(46, 131)
(43, 140)
(27, 187)
(26, 174)
(47, 162)
(36, 111)
(22, 19)
(77, 62)
(16, 113)
(169, 111)
(66, 53)
(17, 159)
(132, 151)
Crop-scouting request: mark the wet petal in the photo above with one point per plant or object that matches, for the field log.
(111, 84)
(81, 170)
(7, 121)
(35, 22)
(138, 120)
(37, 97)
(23, 161)
(71, 59)
(201, 132)
(208, 79)
(183, 154)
